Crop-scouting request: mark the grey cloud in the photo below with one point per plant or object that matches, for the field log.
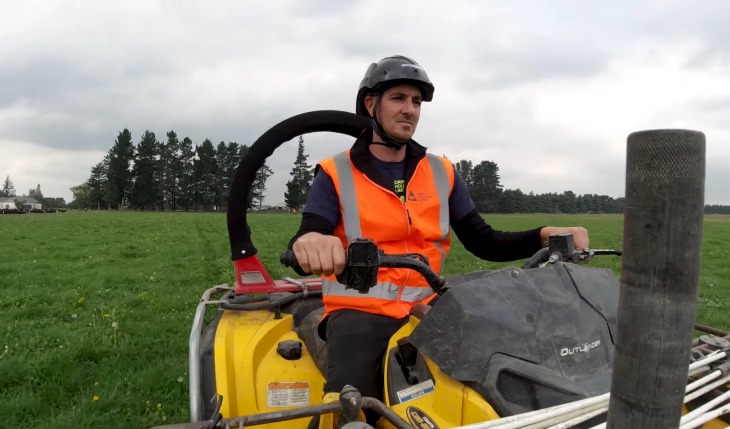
(713, 55)
(55, 80)
(66, 113)
(712, 104)
(494, 47)
(704, 22)
(502, 68)
(323, 7)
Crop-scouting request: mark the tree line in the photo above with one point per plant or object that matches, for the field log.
(176, 175)
(489, 196)
(717, 209)
(485, 188)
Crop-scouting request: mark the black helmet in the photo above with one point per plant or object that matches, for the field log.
(392, 71)
(386, 73)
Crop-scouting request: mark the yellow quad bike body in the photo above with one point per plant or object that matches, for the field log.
(266, 356)
(527, 347)
(262, 364)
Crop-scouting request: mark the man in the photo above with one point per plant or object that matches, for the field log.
(389, 189)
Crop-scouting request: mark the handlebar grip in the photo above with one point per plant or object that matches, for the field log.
(289, 259)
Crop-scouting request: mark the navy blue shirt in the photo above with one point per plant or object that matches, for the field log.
(323, 199)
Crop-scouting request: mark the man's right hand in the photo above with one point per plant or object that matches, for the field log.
(320, 254)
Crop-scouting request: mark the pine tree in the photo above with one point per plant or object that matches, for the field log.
(119, 174)
(258, 190)
(146, 187)
(466, 169)
(196, 180)
(227, 158)
(205, 170)
(8, 188)
(171, 164)
(297, 189)
(291, 195)
(486, 187)
(163, 159)
(187, 155)
(221, 181)
(96, 185)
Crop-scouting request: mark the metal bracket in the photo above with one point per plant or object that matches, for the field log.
(302, 285)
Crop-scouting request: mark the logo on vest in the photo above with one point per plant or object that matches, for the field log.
(421, 196)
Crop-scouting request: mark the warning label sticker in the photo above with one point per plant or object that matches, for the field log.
(416, 391)
(288, 394)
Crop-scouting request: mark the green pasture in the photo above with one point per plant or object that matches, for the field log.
(95, 308)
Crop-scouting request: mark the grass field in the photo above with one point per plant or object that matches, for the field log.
(95, 308)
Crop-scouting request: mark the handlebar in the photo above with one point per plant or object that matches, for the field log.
(364, 259)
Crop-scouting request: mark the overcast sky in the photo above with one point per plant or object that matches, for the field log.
(549, 90)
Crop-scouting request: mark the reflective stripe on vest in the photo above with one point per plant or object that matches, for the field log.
(387, 291)
(441, 178)
(348, 197)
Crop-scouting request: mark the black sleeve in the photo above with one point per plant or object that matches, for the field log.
(486, 243)
(311, 223)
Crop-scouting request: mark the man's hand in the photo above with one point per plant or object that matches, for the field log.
(580, 235)
(320, 254)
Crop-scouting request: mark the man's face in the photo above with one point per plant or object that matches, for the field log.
(399, 110)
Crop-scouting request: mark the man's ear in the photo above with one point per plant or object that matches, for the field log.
(369, 104)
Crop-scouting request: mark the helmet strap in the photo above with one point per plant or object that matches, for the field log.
(388, 141)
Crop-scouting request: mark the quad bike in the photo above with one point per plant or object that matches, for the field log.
(528, 347)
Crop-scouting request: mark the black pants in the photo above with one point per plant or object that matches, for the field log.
(356, 346)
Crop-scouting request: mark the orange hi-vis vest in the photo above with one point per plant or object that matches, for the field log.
(418, 225)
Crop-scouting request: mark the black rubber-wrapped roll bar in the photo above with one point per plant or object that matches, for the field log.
(334, 121)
